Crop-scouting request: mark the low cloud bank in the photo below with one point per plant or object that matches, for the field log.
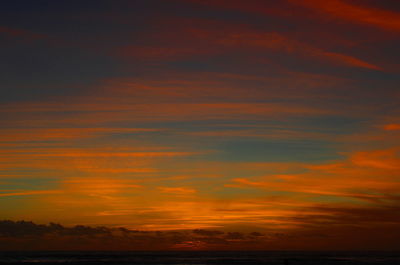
(26, 235)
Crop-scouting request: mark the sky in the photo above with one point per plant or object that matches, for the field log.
(202, 124)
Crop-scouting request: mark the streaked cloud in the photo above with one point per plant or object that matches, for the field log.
(197, 124)
(177, 190)
(356, 13)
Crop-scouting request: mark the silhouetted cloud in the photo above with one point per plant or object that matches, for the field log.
(20, 234)
(330, 231)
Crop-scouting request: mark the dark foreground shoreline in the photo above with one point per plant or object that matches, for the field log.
(199, 257)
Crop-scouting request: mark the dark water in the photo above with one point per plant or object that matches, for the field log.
(198, 258)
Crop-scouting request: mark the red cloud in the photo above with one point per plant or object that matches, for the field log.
(21, 33)
(344, 10)
(198, 38)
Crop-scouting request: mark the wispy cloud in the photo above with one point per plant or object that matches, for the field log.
(177, 190)
(28, 192)
(221, 124)
(229, 38)
(361, 14)
(54, 134)
(354, 178)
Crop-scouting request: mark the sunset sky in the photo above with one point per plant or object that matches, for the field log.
(275, 122)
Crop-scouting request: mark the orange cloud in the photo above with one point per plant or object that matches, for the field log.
(177, 190)
(100, 151)
(392, 127)
(355, 177)
(103, 159)
(381, 159)
(29, 192)
(98, 186)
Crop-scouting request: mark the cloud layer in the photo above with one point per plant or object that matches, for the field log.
(220, 124)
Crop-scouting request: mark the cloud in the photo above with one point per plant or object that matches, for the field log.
(60, 134)
(177, 190)
(125, 112)
(355, 177)
(346, 59)
(341, 9)
(254, 6)
(26, 228)
(96, 161)
(118, 154)
(21, 33)
(360, 14)
(160, 53)
(57, 237)
(381, 159)
(195, 130)
(392, 127)
(98, 186)
(203, 232)
(331, 232)
(200, 39)
(270, 133)
(28, 192)
(282, 43)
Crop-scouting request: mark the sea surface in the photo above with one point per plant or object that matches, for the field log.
(200, 258)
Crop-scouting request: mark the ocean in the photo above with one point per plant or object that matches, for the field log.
(199, 258)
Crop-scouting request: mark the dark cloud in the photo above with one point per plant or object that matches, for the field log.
(335, 228)
(235, 235)
(24, 228)
(256, 234)
(207, 232)
(22, 235)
